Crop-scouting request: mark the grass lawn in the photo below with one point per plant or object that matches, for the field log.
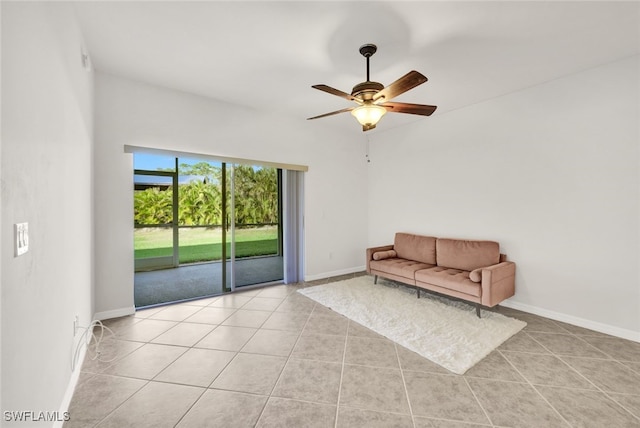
(204, 244)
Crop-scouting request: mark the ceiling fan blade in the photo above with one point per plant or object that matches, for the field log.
(422, 110)
(400, 86)
(344, 110)
(333, 91)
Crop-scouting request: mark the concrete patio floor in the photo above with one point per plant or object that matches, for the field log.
(202, 279)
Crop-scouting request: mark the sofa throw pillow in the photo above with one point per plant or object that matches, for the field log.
(476, 275)
(381, 255)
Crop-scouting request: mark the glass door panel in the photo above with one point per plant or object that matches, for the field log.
(200, 221)
(256, 243)
(155, 235)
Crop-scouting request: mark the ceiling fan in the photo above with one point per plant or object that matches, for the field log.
(373, 98)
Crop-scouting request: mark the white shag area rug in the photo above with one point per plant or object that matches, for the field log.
(445, 331)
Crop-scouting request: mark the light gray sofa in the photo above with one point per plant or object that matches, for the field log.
(474, 271)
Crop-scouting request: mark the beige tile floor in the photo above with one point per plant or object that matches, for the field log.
(273, 358)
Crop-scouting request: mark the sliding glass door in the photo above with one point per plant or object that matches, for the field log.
(212, 227)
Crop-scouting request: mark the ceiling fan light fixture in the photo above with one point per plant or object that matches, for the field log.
(368, 114)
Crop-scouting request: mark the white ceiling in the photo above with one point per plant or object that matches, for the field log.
(267, 54)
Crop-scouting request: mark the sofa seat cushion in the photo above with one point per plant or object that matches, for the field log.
(453, 279)
(399, 267)
(467, 255)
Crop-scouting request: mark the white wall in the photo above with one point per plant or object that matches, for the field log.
(46, 181)
(551, 172)
(132, 113)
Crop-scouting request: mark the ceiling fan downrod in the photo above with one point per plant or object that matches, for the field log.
(367, 51)
(367, 89)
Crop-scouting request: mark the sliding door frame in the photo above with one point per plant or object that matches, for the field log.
(223, 266)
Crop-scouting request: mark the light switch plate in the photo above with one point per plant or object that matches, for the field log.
(21, 242)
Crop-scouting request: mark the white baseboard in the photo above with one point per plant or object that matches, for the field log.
(580, 322)
(115, 313)
(334, 273)
(71, 387)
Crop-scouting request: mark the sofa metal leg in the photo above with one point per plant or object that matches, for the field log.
(375, 279)
(478, 310)
(418, 290)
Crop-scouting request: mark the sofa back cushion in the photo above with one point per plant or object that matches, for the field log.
(467, 255)
(415, 247)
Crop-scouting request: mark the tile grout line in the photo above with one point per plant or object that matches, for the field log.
(171, 363)
(148, 381)
(344, 357)
(122, 404)
(609, 358)
(529, 382)
(286, 362)
(623, 407)
(204, 390)
(221, 325)
(533, 386)
(237, 353)
(486, 414)
(283, 367)
(598, 389)
(404, 383)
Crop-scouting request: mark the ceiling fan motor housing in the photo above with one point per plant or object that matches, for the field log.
(366, 90)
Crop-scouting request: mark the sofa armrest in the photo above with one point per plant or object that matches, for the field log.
(372, 250)
(498, 283)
